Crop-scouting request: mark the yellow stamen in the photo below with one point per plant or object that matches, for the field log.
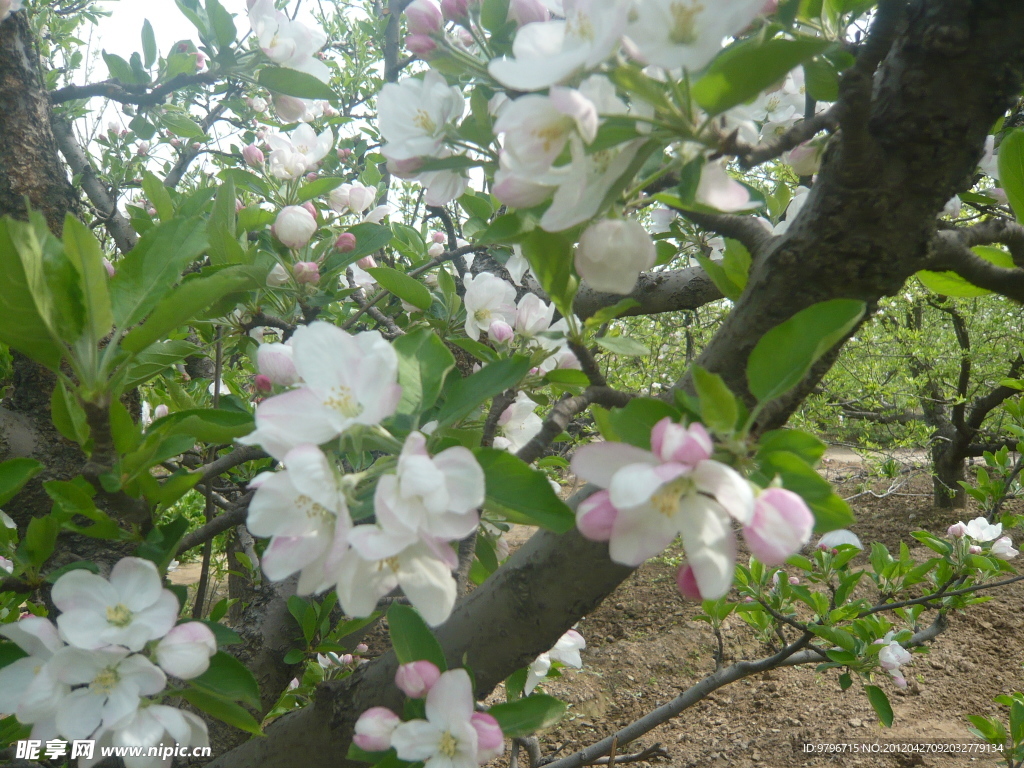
(119, 615)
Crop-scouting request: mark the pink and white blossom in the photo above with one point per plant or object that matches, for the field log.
(518, 424)
(612, 253)
(293, 155)
(155, 725)
(780, 526)
(288, 42)
(981, 530)
(1003, 548)
(294, 226)
(277, 363)
(28, 687)
(185, 651)
(488, 298)
(566, 651)
(717, 189)
(416, 678)
(374, 729)
(415, 113)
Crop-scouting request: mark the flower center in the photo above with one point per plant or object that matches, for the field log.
(105, 682)
(344, 402)
(552, 133)
(684, 21)
(666, 499)
(388, 562)
(448, 745)
(312, 509)
(425, 121)
(119, 615)
(580, 27)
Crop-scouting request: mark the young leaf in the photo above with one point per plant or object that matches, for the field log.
(528, 715)
(1011, 169)
(466, 394)
(14, 474)
(717, 404)
(423, 363)
(84, 252)
(222, 709)
(230, 678)
(404, 287)
(881, 704)
(411, 637)
(517, 490)
(291, 82)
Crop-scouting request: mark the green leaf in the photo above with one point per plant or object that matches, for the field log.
(633, 424)
(493, 379)
(158, 195)
(119, 69)
(223, 24)
(718, 276)
(786, 353)
(84, 252)
(550, 258)
(319, 187)
(188, 300)
(14, 474)
(821, 79)
(207, 425)
(951, 284)
(1011, 169)
(291, 82)
(990, 729)
(148, 44)
(521, 492)
(404, 287)
(70, 500)
(494, 14)
(830, 511)
(222, 709)
(528, 715)
(370, 238)
(745, 69)
(411, 637)
(623, 345)
(10, 653)
(154, 360)
(222, 227)
(181, 125)
(717, 403)
(161, 543)
(507, 228)
(881, 704)
(803, 444)
(40, 538)
(153, 266)
(224, 635)
(26, 304)
(230, 678)
(423, 363)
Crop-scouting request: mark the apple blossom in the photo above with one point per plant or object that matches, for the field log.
(294, 226)
(661, 220)
(447, 738)
(717, 189)
(378, 214)
(354, 197)
(796, 204)
(1003, 548)
(278, 276)
(517, 265)
(974, 549)
(107, 265)
(288, 42)
(686, 583)
(891, 658)
(981, 530)
(804, 159)
(416, 678)
(584, 183)
(500, 332)
(518, 424)
(490, 738)
(185, 651)
(6, 565)
(780, 526)
(415, 113)
(277, 362)
(488, 298)
(424, 17)
(28, 687)
(374, 729)
(294, 154)
(258, 104)
(536, 128)
(565, 651)
(456, 10)
(113, 683)
(686, 33)
(612, 253)
(160, 411)
(957, 530)
(253, 156)
(346, 242)
(545, 53)
(673, 489)
(595, 516)
(837, 538)
(306, 272)
(533, 315)
(524, 12)
(436, 497)
(291, 109)
(155, 725)
(303, 510)
(130, 609)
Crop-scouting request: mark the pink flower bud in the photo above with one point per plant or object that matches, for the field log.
(142, 149)
(185, 651)
(258, 104)
(346, 242)
(500, 332)
(278, 276)
(253, 156)
(686, 581)
(367, 262)
(957, 530)
(276, 362)
(344, 153)
(175, 141)
(595, 516)
(421, 45)
(151, 211)
(793, 581)
(405, 169)
(455, 10)
(439, 237)
(780, 526)
(490, 741)
(361, 648)
(109, 267)
(685, 445)
(974, 549)
(312, 176)
(263, 383)
(294, 226)
(425, 17)
(311, 208)
(306, 272)
(374, 728)
(239, 205)
(196, 145)
(160, 411)
(293, 684)
(527, 11)
(416, 678)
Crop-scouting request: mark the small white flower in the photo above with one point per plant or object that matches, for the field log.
(488, 298)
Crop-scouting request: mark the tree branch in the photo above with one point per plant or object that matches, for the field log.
(950, 251)
(655, 292)
(564, 412)
(747, 229)
(753, 155)
(140, 95)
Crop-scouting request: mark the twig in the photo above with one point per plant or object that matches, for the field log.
(564, 412)
(652, 752)
(753, 155)
(239, 455)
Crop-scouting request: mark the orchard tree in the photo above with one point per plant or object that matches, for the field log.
(333, 287)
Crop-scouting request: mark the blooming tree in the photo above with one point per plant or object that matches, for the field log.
(365, 290)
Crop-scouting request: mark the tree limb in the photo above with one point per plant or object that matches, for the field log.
(655, 292)
(126, 93)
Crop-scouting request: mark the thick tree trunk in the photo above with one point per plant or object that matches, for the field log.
(949, 468)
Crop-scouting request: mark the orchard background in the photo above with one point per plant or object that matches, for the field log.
(387, 383)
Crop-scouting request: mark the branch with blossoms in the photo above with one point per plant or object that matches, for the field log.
(128, 93)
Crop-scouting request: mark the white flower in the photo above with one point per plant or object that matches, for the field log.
(488, 298)
(686, 33)
(185, 651)
(275, 361)
(435, 496)
(1003, 549)
(278, 276)
(414, 115)
(518, 424)
(566, 651)
(891, 658)
(348, 380)
(584, 183)
(717, 189)
(982, 530)
(6, 565)
(113, 684)
(517, 265)
(28, 687)
(294, 226)
(612, 253)
(303, 510)
(796, 204)
(378, 214)
(286, 41)
(551, 52)
(447, 738)
(353, 197)
(130, 610)
(533, 315)
(837, 538)
(300, 151)
(536, 128)
(156, 725)
(661, 220)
